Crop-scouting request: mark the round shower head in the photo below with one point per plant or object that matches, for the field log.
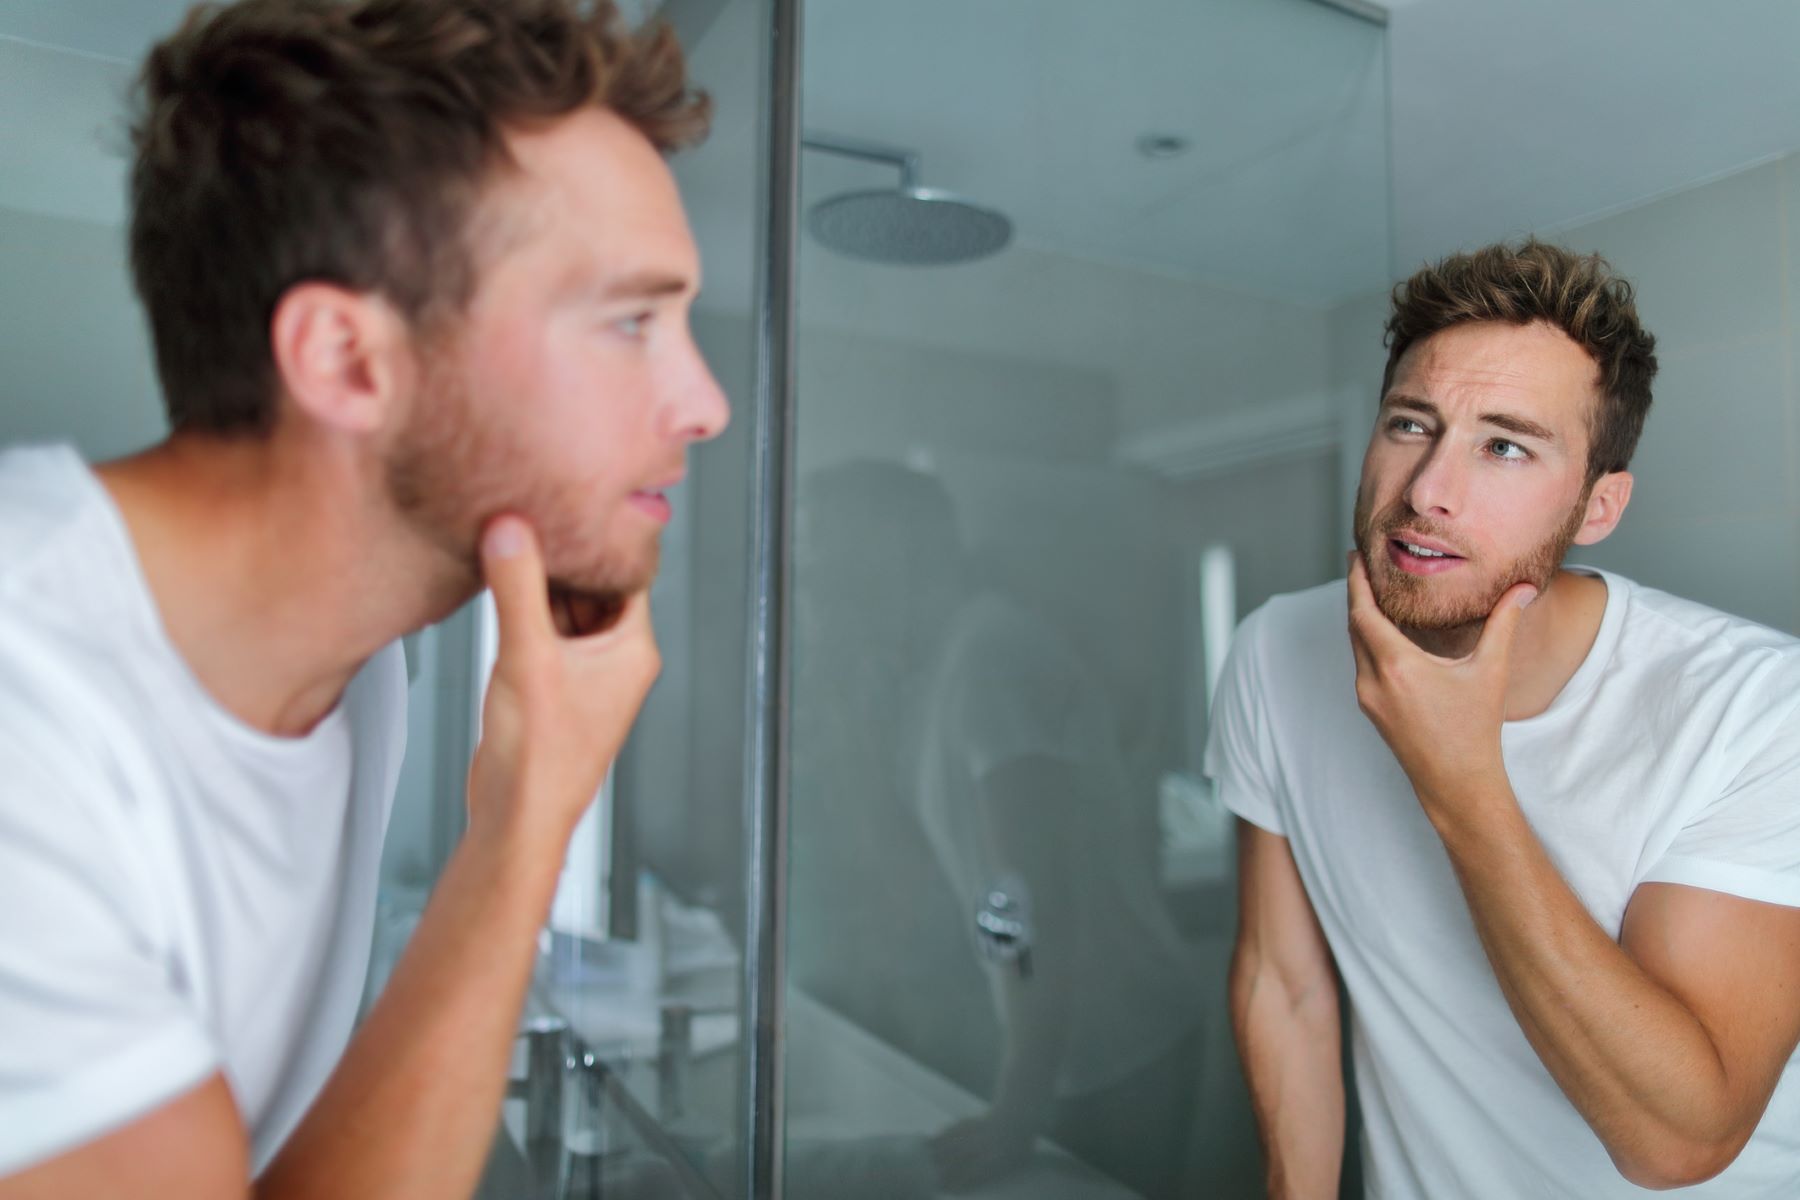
(910, 225)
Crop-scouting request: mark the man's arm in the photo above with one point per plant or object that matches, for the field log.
(410, 1111)
(1284, 1009)
(1670, 1041)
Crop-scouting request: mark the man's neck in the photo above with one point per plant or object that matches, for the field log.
(274, 570)
(1552, 641)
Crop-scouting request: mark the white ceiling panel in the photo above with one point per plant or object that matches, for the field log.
(1034, 107)
(1539, 114)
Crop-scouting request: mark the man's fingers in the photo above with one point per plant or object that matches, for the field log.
(1362, 593)
(612, 619)
(1503, 623)
(513, 568)
(1370, 629)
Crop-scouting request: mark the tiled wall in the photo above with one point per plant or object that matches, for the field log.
(1715, 515)
(72, 338)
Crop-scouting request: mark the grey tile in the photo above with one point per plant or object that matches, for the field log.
(1717, 440)
(1705, 261)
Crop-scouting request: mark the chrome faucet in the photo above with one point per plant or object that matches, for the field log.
(1003, 925)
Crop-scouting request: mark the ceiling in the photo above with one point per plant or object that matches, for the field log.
(1506, 115)
(1035, 107)
(1517, 115)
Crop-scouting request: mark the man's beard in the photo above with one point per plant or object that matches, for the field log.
(453, 468)
(1416, 602)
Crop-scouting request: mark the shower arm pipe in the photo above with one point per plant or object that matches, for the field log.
(906, 160)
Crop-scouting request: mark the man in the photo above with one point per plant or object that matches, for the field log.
(1556, 856)
(999, 743)
(418, 281)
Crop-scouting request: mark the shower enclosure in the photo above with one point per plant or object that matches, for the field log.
(1044, 322)
(1047, 328)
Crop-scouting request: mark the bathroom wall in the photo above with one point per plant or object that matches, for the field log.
(77, 355)
(1715, 515)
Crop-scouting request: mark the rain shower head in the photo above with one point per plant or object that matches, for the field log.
(921, 226)
(909, 224)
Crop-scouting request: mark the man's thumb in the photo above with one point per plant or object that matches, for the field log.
(513, 569)
(1503, 622)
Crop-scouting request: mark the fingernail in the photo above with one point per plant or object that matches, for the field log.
(1526, 597)
(504, 539)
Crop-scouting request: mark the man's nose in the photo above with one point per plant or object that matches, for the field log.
(1436, 488)
(700, 410)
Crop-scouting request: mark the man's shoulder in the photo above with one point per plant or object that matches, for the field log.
(66, 565)
(1680, 663)
(1299, 622)
(68, 620)
(1294, 649)
(1671, 634)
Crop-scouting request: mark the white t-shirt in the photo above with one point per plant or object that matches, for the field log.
(179, 894)
(1672, 755)
(1004, 688)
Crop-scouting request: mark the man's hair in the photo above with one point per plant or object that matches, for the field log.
(348, 142)
(1535, 281)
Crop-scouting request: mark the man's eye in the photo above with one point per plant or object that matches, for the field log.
(1511, 451)
(634, 326)
(1405, 425)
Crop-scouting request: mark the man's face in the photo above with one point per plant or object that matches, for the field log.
(1476, 474)
(571, 388)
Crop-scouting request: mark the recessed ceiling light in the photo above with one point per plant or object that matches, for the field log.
(1163, 145)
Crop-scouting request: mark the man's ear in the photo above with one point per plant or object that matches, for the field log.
(342, 357)
(1606, 504)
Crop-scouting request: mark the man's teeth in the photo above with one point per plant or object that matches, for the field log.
(1422, 552)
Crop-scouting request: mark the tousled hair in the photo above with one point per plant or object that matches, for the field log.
(1535, 281)
(349, 141)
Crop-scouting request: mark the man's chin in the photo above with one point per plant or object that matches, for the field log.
(1429, 605)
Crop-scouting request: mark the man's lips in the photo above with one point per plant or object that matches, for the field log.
(654, 505)
(653, 501)
(1417, 555)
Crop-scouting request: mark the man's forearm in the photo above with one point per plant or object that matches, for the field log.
(1291, 1049)
(1636, 1063)
(410, 1112)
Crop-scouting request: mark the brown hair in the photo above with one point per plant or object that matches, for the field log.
(348, 141)
(1535, 281)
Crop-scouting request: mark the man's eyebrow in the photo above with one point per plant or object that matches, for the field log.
(1518, 425)
(1507, 421)
(647, 285)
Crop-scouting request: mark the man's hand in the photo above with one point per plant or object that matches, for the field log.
(562, 697)
(1441, 717)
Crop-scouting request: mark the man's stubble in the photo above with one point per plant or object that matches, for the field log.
(1415, 602)
(457, 464)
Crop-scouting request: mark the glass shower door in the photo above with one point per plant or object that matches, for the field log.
(1069, 286)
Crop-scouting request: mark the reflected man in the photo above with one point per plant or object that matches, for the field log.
(1555, 856)
(1003, 749)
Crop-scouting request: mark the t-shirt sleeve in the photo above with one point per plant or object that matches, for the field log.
(1747, 842)
(1240, 754)
(94, 1029)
